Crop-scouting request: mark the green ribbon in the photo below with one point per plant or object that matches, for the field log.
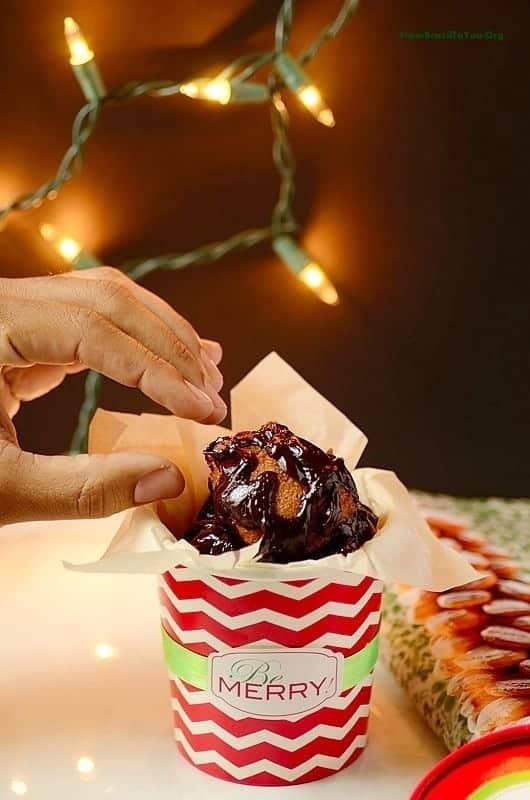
(193, 668)
(359, 665)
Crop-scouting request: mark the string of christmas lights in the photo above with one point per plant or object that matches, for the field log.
(231, 85)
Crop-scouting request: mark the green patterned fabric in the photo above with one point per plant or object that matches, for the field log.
(405, 647)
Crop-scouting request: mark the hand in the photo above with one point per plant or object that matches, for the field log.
(97, 319)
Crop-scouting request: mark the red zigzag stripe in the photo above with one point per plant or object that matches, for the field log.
(205, 712)
(263, 598)
(249, 755)
(237, 581)
(331, 623)
(256, 635)
(265, 778)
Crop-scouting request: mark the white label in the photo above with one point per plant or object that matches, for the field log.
(273, 682)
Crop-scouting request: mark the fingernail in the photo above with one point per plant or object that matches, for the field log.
(214, 350)
(221, 408)
(219, 404)
(219, 415)
(205, 402)
(161, 484)
(213, 373)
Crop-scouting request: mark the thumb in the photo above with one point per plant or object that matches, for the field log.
(68, 487)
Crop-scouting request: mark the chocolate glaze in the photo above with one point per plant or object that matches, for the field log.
(238, 498)
(211, 538)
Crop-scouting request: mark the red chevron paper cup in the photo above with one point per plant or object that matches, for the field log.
(270, 681)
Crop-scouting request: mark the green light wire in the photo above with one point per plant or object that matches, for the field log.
(283, 220)
(284, 25)
(333, 29)
(206, 254)
(93, 385)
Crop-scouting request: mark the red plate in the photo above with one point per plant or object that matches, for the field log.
(493, 767)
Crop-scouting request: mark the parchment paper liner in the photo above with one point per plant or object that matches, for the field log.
(403, 550)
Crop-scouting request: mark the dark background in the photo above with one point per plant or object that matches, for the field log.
(416, 204)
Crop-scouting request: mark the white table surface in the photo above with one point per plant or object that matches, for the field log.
(60, 703)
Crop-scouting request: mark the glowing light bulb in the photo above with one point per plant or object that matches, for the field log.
(316, 279)
(217, 90)
(19, 788)
(308, 94)
(80, 52)
(82, 62)
(325, 116)
(69, 248)
(312, 276)
(85, 766)
(313, 101)
(190, 90)
(306, 270)
(104, 650)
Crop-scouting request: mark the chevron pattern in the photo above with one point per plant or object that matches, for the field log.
(209, 614)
